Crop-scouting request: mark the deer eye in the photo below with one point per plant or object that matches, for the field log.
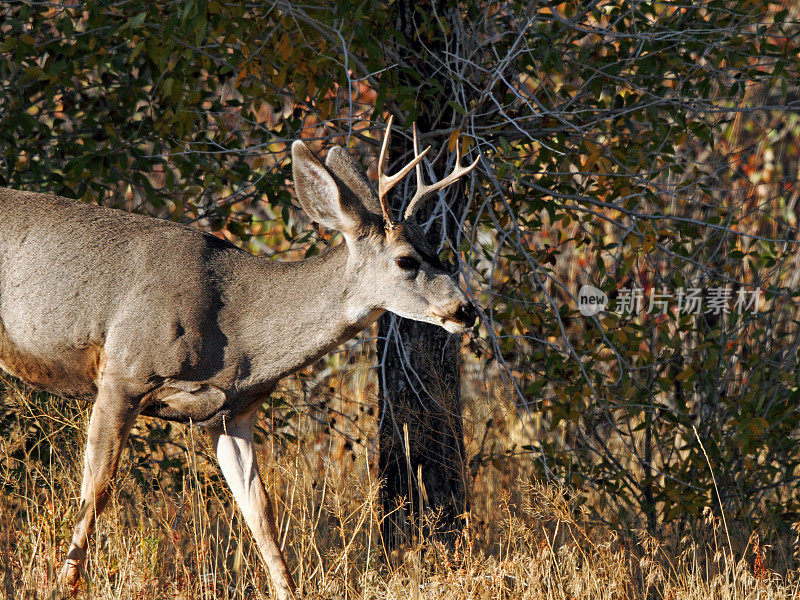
(407, 263)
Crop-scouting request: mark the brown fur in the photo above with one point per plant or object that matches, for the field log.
(76, 378)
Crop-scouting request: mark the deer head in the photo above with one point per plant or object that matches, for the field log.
(391, 266)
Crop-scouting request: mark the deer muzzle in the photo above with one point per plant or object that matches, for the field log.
(458, 320)
(466, 315)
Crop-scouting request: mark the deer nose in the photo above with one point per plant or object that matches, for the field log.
(466, 314)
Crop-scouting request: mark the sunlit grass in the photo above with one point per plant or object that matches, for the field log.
(172, 530)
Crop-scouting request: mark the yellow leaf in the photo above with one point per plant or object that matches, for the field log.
(594, 154)
(285, 47)
(240, 77)
(451, 144)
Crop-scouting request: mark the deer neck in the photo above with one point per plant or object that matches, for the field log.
(297, 312)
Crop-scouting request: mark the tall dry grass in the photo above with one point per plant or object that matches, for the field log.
(172, 530)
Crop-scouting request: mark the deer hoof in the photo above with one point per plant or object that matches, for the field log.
(70, 576)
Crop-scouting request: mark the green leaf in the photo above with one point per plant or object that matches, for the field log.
(457, 107)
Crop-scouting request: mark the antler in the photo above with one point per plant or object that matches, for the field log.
(386, 182)
(425, 190)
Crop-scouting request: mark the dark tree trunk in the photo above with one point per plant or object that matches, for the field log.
(420, 387)
(420, 376)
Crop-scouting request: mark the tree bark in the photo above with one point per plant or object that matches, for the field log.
(420, 376)
(420, 387)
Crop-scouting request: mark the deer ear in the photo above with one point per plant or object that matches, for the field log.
(350, 173)
(319, 194)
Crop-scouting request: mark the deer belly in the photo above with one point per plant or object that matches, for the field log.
(75, 376)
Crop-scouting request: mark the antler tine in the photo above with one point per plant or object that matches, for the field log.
(387, 182)
(421, 187)
(425, 190)
(387, 218)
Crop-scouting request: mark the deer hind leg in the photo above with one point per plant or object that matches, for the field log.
(236, 454)
(109, 425)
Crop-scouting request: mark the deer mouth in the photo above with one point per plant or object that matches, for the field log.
(458, 321)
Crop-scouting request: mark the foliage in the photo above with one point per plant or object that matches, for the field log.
(622, 144)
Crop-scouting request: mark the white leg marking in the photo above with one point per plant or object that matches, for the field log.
(236, 454)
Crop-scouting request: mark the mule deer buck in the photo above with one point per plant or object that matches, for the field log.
(150, 317)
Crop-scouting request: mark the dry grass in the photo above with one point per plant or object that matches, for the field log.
(173, 532)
